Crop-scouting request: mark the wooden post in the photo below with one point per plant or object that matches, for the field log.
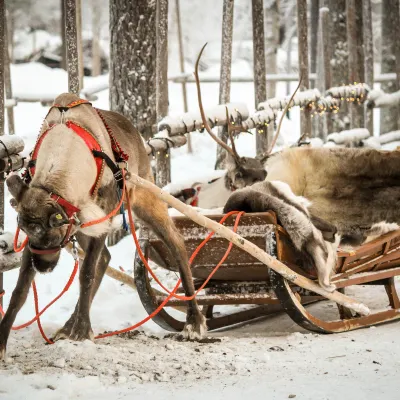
(314, 29)
(302, 34)
(2, 53)
(324, 70)
(182, 66)
(8, 87)
(225, 74)
(71, 46)
(368, 59)
(79, 42)
(260, 80)
(271, 26)
(163, 164)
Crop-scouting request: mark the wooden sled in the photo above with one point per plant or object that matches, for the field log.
(244, 280)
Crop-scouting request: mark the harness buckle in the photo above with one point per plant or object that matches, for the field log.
(75, 254)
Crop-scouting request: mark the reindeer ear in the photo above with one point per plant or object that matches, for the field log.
(57, 219)
(17, 187)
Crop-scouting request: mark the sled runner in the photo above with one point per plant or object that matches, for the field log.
(244, 280)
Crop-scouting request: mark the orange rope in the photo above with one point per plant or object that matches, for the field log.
(142, 257)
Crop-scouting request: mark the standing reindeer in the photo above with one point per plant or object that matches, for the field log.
(74, 180)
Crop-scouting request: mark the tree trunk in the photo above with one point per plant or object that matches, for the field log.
(356, 57)
(2, 52)
(133, 78)
(339, 60)
(368, 59)
(8, 88)
(314, 36)
(63, 39)
(271, 25)
(302, 34)
(390, 35)
(79, 42)
(225, 74)
(71, 46)
(163, 161)
(96, 30)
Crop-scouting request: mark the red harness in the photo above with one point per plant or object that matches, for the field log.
(98, 155)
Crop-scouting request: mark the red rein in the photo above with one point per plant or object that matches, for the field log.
(143, 258)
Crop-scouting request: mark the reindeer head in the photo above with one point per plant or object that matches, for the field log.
(41, 218)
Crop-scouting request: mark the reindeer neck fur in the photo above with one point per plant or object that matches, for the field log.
(66, 166)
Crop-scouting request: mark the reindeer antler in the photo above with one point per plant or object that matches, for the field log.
(232, 150)
(278, 130)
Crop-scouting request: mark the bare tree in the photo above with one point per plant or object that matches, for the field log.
(390, 37)
(133, 62)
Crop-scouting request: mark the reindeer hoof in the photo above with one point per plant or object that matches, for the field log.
(195, 327)
(78, 330)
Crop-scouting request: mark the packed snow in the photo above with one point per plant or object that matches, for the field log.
(271, 358)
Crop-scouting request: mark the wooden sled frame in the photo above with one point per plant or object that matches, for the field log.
(244, 280)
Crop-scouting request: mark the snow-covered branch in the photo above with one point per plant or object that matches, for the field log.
(378, 98)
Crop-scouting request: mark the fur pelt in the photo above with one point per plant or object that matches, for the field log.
(293, 215)
(357, 190)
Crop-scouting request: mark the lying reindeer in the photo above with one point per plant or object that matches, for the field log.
(353, 191)
(71, 184)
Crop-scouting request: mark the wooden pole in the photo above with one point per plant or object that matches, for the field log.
(249, 247)
(302, 34)
(182, 66)
(7, 83)
(163, 164)
(225, 74)
(368, 59)
(71, 46)
(2, 54)
(260, 82)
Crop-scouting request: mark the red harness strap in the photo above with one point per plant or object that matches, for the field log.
(85, 135)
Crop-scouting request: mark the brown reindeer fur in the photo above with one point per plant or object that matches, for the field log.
(66, 166)
(353, 189)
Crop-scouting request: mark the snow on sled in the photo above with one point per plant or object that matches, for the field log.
(244, 280)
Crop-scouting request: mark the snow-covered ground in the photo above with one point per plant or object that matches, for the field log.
(272, 358)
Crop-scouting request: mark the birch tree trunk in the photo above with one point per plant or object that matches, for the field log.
(133, 62)
(8, 88)
(63, 39)
(390, 37)
(79, 42)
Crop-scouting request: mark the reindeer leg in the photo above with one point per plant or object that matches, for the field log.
(18, 298)
(153, 211)
(91, 273)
